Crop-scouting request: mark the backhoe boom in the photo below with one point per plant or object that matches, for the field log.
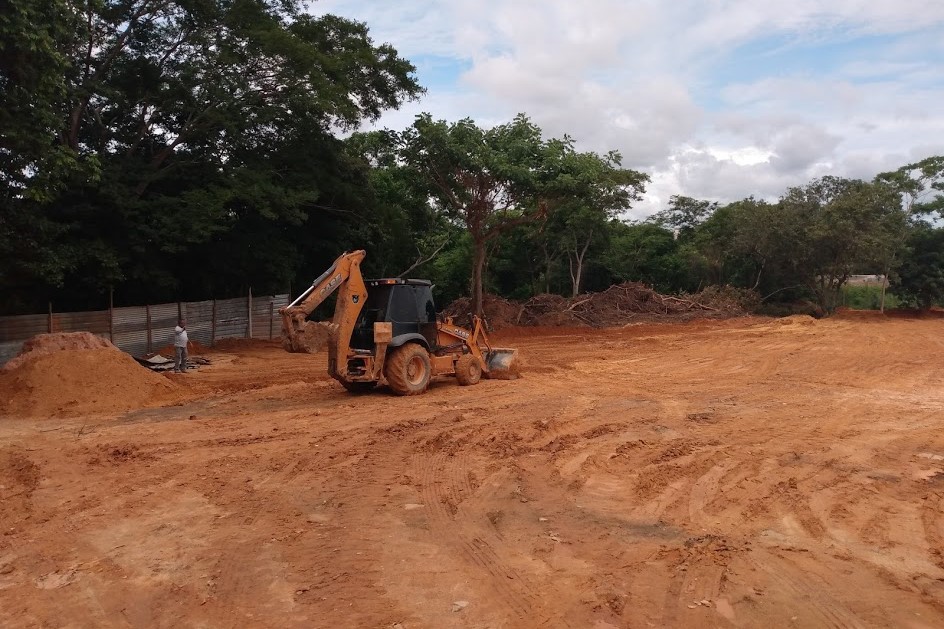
(343, 275)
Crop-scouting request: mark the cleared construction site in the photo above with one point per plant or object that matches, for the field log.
(731, 473)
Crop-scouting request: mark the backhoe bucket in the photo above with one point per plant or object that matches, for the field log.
(311, 339)
(503, 364)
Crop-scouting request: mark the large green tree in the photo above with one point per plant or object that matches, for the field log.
(596, 190)
(921, 185)
(921, 275)
(492, 180)
(645, 252)
(833, 226)
(178, 131)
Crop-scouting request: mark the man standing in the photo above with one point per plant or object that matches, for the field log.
(180, 346)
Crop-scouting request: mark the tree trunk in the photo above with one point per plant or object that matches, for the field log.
(548, 261)
(576, 270)
(759, 272)
(576, 265)
(884, 287)
(478, 266)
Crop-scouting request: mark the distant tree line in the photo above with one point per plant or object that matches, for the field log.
(183, 149)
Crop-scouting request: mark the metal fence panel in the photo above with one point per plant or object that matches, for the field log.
(163, 321)
(21, 327)
(130, 330)
(231, 319)
(142, 329)
(96, 322)
(199, 316)
(265, 316)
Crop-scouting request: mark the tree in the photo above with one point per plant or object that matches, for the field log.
(203, 128)
(921, 275)
(684, 213)
(487, 180)
(599, 190)
(921, 185)
(832, 225)
(35, 37)
(404, 230)
(736, 243)
(645, 252)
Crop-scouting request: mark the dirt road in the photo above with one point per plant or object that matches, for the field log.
(746, 473)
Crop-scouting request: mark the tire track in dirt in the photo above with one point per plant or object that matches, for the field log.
(699, 570)
(705, 489)
(445, 486)
(237, 571)
(931, 520)
(799, 585)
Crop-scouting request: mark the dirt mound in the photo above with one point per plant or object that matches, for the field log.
(499, 312)
(43, 344)
(798, 319)
(80, 381)
(617, 305)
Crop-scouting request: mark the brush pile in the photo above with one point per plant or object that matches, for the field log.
(617, 305)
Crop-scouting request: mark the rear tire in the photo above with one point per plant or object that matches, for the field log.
(468, 370)
(408, 370)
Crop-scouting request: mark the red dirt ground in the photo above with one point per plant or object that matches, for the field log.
(740, 473)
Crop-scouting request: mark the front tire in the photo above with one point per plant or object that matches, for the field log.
(468, 370)
(408, 370)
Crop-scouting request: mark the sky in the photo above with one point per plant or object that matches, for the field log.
(713, 99)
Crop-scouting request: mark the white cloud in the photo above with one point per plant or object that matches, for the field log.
(671, 86)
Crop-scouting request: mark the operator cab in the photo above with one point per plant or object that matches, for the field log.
(407, 304)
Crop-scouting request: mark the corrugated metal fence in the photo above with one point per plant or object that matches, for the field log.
(144, 329)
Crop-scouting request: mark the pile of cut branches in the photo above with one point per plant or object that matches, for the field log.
(617, 305)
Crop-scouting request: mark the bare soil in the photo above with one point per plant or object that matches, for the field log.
(71, 382)
(54, 342)
(736, 473)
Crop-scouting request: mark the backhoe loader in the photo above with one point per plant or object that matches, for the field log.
(387, 331)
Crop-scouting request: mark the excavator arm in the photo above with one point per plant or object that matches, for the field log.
(344, 275)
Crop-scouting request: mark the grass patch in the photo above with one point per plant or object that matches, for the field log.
(866, 297)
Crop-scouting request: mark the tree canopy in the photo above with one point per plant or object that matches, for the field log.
(147, 140)
(185, 149)
(492, 180)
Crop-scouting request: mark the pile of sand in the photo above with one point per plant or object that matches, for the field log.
(76, 374)
(43, 344)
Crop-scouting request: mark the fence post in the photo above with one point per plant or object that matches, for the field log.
(147, 318)
(213, 326)
(249, 310)
(111, 314)
(271, 318)
(49, 320)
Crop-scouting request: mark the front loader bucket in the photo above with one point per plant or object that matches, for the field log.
(503, 364)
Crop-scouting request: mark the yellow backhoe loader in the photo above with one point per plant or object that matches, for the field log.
(387, 331)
